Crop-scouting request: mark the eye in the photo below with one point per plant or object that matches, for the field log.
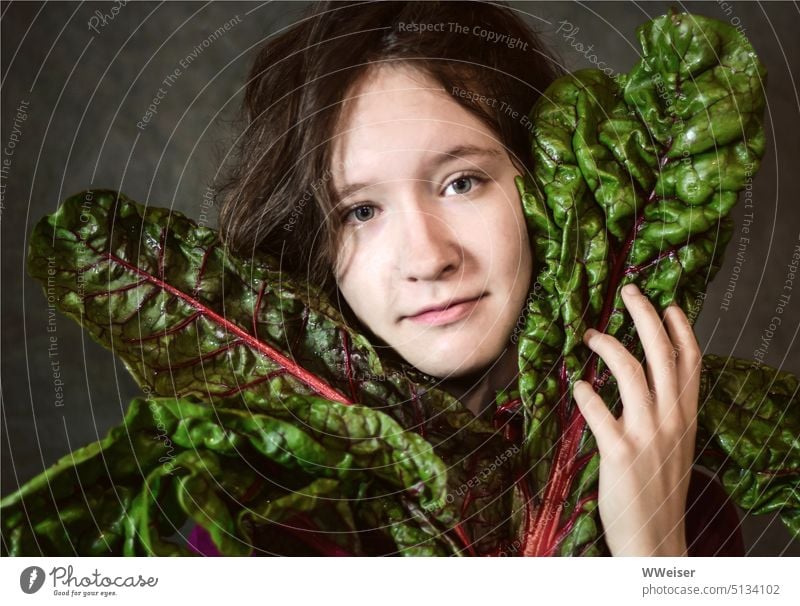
(464, 183)
(356, 211)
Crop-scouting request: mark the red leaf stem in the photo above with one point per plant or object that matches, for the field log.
(310, 379)
(541, 536)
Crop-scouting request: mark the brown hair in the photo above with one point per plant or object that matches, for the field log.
(278, 195)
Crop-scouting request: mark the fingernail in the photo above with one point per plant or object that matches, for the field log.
(590, 332)
(631, 289)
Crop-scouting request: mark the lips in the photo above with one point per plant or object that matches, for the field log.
(443, 314)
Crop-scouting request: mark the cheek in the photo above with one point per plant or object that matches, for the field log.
(513, 255)
(359, 283)
(506, 243)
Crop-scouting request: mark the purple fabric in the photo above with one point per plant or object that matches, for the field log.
(200, 542)
(713, 527)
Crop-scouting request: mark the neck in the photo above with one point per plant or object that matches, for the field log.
(477, 390)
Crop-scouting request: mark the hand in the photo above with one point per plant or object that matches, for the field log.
(646, 455)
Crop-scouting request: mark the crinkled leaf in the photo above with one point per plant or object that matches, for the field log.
(760, 466)
(634, 180)
(232, 472)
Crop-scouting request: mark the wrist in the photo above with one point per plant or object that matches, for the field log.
(673, 545)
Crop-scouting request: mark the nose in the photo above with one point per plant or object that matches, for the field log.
(426, 245)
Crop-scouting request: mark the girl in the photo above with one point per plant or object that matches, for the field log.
(379, 160)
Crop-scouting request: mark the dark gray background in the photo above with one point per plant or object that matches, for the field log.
(86, 91)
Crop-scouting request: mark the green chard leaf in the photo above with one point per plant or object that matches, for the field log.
(749, 434)
(634, 179)
(243, 476)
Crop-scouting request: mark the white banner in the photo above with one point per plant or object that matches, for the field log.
(401, 581)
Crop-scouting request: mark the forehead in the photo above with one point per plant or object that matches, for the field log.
(398, 114)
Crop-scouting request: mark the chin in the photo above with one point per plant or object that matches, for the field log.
(442, 365)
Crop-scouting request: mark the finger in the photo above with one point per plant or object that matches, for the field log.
(689, 359)
(658, 348)
(627, 371)
(600, 419)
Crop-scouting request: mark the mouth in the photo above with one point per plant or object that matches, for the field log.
(446, 315)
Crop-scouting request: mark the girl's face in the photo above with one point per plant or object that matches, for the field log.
(433, 218)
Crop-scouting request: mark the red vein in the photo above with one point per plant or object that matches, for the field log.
(577, 511)
(348, 367)
(244, 387)
(464, 538)
(105, 293)
(415, 405)
(313, 381)
(257, 308)
(186, 321)
(200, 359)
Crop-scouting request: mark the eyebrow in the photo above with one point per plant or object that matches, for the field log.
(454, 153)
